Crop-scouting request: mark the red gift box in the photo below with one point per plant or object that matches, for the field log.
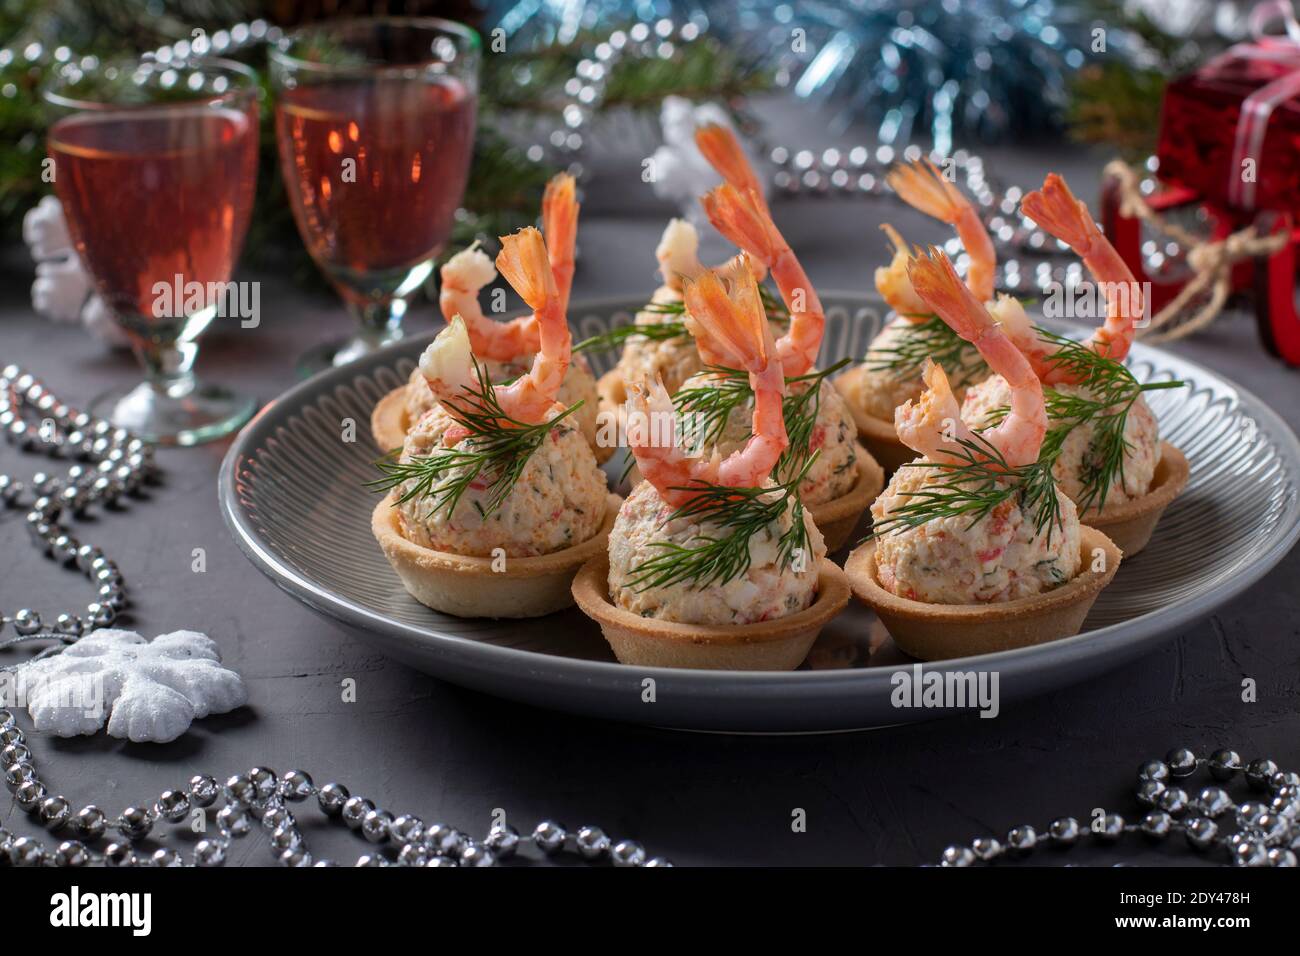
(1230, 131)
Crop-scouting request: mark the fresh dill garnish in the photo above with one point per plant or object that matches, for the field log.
(495, 452)
(972, 486)
(616, 337)
(738, 514)
(928, 336)
(1111, 393)
(708, 406)
(666, 331)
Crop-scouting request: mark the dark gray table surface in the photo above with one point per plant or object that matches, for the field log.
(413, 744)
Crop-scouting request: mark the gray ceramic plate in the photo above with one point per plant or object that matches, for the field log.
(291, 491)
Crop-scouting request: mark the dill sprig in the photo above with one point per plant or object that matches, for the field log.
(738, 514)
(708, 407)
(1111, 393)
(496, 451)
(930, 338)
(616, 338)
(972, 486)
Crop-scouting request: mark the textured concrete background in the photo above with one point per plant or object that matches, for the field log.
(416, 745)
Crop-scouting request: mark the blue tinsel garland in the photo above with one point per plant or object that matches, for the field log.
(915, 69)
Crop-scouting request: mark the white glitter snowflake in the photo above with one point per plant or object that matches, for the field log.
(144, 690)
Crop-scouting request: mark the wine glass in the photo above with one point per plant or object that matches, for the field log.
(155, 165)
(375, 124)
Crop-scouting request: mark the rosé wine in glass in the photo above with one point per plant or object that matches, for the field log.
(155, 167)
(375, 126)
(148, 197)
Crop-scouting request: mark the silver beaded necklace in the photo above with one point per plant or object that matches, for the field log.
(1264, 831)
(261, 797)
(111, 463)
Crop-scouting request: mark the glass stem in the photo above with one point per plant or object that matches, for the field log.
(379, 321)
(168, 366)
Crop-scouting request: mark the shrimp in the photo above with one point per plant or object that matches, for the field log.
(893, 283)
(1019, 436)
(738, 210)
(469, 271)
(712, 350)
(678, 254)
(560, 229)
(733, 317)
(722, 149)
(923, 187)
(1055, 209)
(744, 220)
(448, 363)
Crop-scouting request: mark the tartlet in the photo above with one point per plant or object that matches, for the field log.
(877, 435)
(837, 518)
(932, 632)
(1130, 524)
(390, 421)
(779, 644)
(467, 586)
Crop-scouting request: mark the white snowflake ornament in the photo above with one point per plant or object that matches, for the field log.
(144, 690)
(63, 290)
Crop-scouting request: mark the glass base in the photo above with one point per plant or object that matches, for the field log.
(333, 354)
(188, 413)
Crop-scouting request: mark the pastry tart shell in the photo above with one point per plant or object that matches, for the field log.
(1130, 523)
(389, 423)
(467, 586)
(613, 394)
(777, 645)
(837, 518)
(877, 435)
(934, 632)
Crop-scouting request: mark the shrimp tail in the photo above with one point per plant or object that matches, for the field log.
(744, 220)
(734, 324)
(1019, 436)
(1056, 210)
(895, 238)
(922, 186)
(937, 282)
(739, 217)
(524, 264)
(724, 153)
(560, 226)
(713, 350)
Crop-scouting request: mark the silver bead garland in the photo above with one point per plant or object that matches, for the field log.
(109, 463)
(1260, 832)
(261, 798)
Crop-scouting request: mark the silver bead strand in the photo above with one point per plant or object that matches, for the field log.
(261, 795)
(1265, 830)
(111, 462)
